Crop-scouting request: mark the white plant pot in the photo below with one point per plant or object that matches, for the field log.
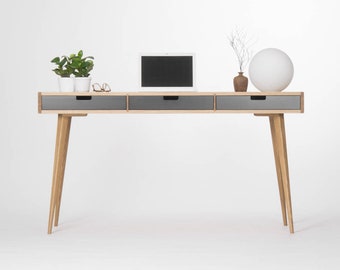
(66, 84)
(82, 84)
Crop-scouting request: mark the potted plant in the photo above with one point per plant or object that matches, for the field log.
(81, 67)
(64, 71)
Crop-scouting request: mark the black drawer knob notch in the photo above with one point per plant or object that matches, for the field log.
(83, 97)
(258, 97)
(170, 97)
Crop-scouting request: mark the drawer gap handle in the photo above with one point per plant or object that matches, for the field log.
(258, 97)
(83, 97)
(170, 97)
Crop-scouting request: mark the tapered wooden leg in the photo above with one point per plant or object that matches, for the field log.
(278, 171)
(281, 148)
(60, 182)
(54, 178)
(63, 130)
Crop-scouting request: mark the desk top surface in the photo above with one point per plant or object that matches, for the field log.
(156, 93)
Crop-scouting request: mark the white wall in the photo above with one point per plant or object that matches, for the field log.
(164, 164)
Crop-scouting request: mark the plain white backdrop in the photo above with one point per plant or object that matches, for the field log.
(168, 191)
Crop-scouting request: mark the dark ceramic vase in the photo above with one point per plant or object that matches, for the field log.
(240, 83)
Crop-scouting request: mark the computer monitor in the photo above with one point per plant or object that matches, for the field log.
(167, 72)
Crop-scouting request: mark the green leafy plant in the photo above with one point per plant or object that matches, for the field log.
(63, 68)
(80, 65)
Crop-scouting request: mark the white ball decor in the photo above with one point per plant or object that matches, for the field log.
(271, 70)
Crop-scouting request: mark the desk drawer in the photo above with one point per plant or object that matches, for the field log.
(171, 102)
(258, 102)
(83, 102)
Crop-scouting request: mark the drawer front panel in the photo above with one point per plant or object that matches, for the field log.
(83, 103)
(258, 102)
(171, 102)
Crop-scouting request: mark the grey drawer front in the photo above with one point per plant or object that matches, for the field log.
(258, 102)
(83, 103)
(171, 102)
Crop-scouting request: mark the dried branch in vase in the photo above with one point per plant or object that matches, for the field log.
(241, 45)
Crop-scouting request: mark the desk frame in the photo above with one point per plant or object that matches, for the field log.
(278, 134)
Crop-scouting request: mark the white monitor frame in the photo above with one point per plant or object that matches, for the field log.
(168, 89)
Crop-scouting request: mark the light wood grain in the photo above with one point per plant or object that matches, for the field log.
(302, 104)
(127, 103)
(281, 148)
(258, 93)
(56, 169)
(83, 112)
(278, 169)
(84, 93)
(61, 145)
(258, 112)
(169, 111)
(39, 102)
(190, 93)
(63, 153)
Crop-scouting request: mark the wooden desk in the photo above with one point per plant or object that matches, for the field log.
(272, 105)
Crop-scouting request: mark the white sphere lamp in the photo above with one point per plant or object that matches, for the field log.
(271, 70)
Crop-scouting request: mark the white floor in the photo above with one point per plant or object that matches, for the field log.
(236, 241)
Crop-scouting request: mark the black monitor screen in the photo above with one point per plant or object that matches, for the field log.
(167, 71)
